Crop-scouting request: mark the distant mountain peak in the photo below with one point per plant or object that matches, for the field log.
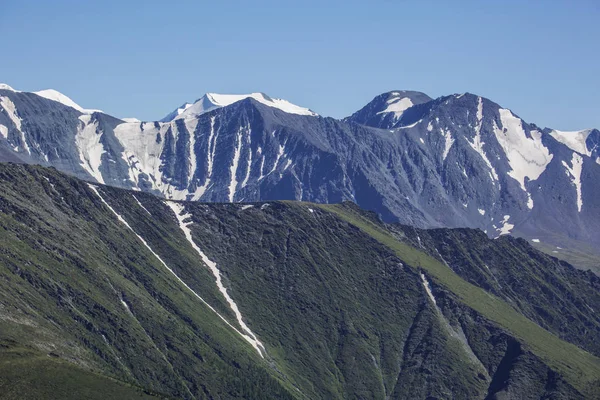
(386, 109)
(4, 86)
(57, 96)
(212, 101)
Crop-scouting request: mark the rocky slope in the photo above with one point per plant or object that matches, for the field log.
(276, 300)
(455, 161)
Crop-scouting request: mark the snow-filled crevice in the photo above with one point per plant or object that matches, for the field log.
(477, 143)
(179, 211)
(90, 147)
(456, 333)
(211, 149)
(235, 162)
(574, 172)
(124, 222)
(140, 204)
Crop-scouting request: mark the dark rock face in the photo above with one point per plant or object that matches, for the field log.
(456, 161)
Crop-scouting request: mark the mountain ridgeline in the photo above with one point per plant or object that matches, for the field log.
(455, 161)
(116, 293)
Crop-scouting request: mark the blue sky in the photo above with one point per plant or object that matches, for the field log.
(143, 58)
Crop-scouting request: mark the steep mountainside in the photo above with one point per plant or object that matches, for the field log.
(456, 161)
(276, 300)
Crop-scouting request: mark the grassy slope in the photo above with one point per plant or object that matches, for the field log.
(26, 374)
(65, 263)
(579, 367)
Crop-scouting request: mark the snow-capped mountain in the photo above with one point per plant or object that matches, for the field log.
(459, 160)
(212, 101)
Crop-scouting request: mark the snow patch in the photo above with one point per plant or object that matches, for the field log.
(574, 172)
(247, 206)
(427, 287)
(506, 227)
(574, 140)
(179, 210)
(481, 211)
(535, 240)
(234, 166)
(89, 146)
(527, 156)
(397, 105)
(448, 143)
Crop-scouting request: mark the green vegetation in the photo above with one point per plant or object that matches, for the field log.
(26, 374)
(578, 366)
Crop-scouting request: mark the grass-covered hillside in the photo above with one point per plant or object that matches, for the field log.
(103, 294)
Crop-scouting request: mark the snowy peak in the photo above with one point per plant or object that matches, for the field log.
(177, 112)
(212, 101)
(55, 95)
(584, 142)
(4, 86)
(385, 110)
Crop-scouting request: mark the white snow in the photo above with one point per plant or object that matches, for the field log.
(427, 287)
(4, 131)
(429, 126)
(575, 140)
(249, 163)
(140, 204)
(212, 101)
(4, 86)
(87, 140)
(212, 147)
(122, 220)
(247, 206)
(190, 125)
(421, 140)
(481, 211)
(574, 172)
(179, 211)
(54, 95)
(506, 227)
(130, 120)
(477, 144)
(397, 105)
(527, 156)
(9, 107)
(311, 210)
(234, 166)
(448, 143)
(535, 240)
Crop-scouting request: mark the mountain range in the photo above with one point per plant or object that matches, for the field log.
(455, 161)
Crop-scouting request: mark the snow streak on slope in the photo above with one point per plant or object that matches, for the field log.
(179, 210)
(574, 140)
(428, 289)
(54, 95)
(211, 148)
(89, 146)
(575, 173)
(190, 125)
(449, 141)
(122, 220)
(234, 165)
(9, 107)
(249, 164)
(527, 157)
(477, 143)
(211, 101)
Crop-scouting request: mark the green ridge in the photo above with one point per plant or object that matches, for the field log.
(579, 367)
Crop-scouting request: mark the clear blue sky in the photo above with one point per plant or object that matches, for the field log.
(144, 58)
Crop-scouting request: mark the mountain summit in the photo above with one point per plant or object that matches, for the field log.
(212, 101)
